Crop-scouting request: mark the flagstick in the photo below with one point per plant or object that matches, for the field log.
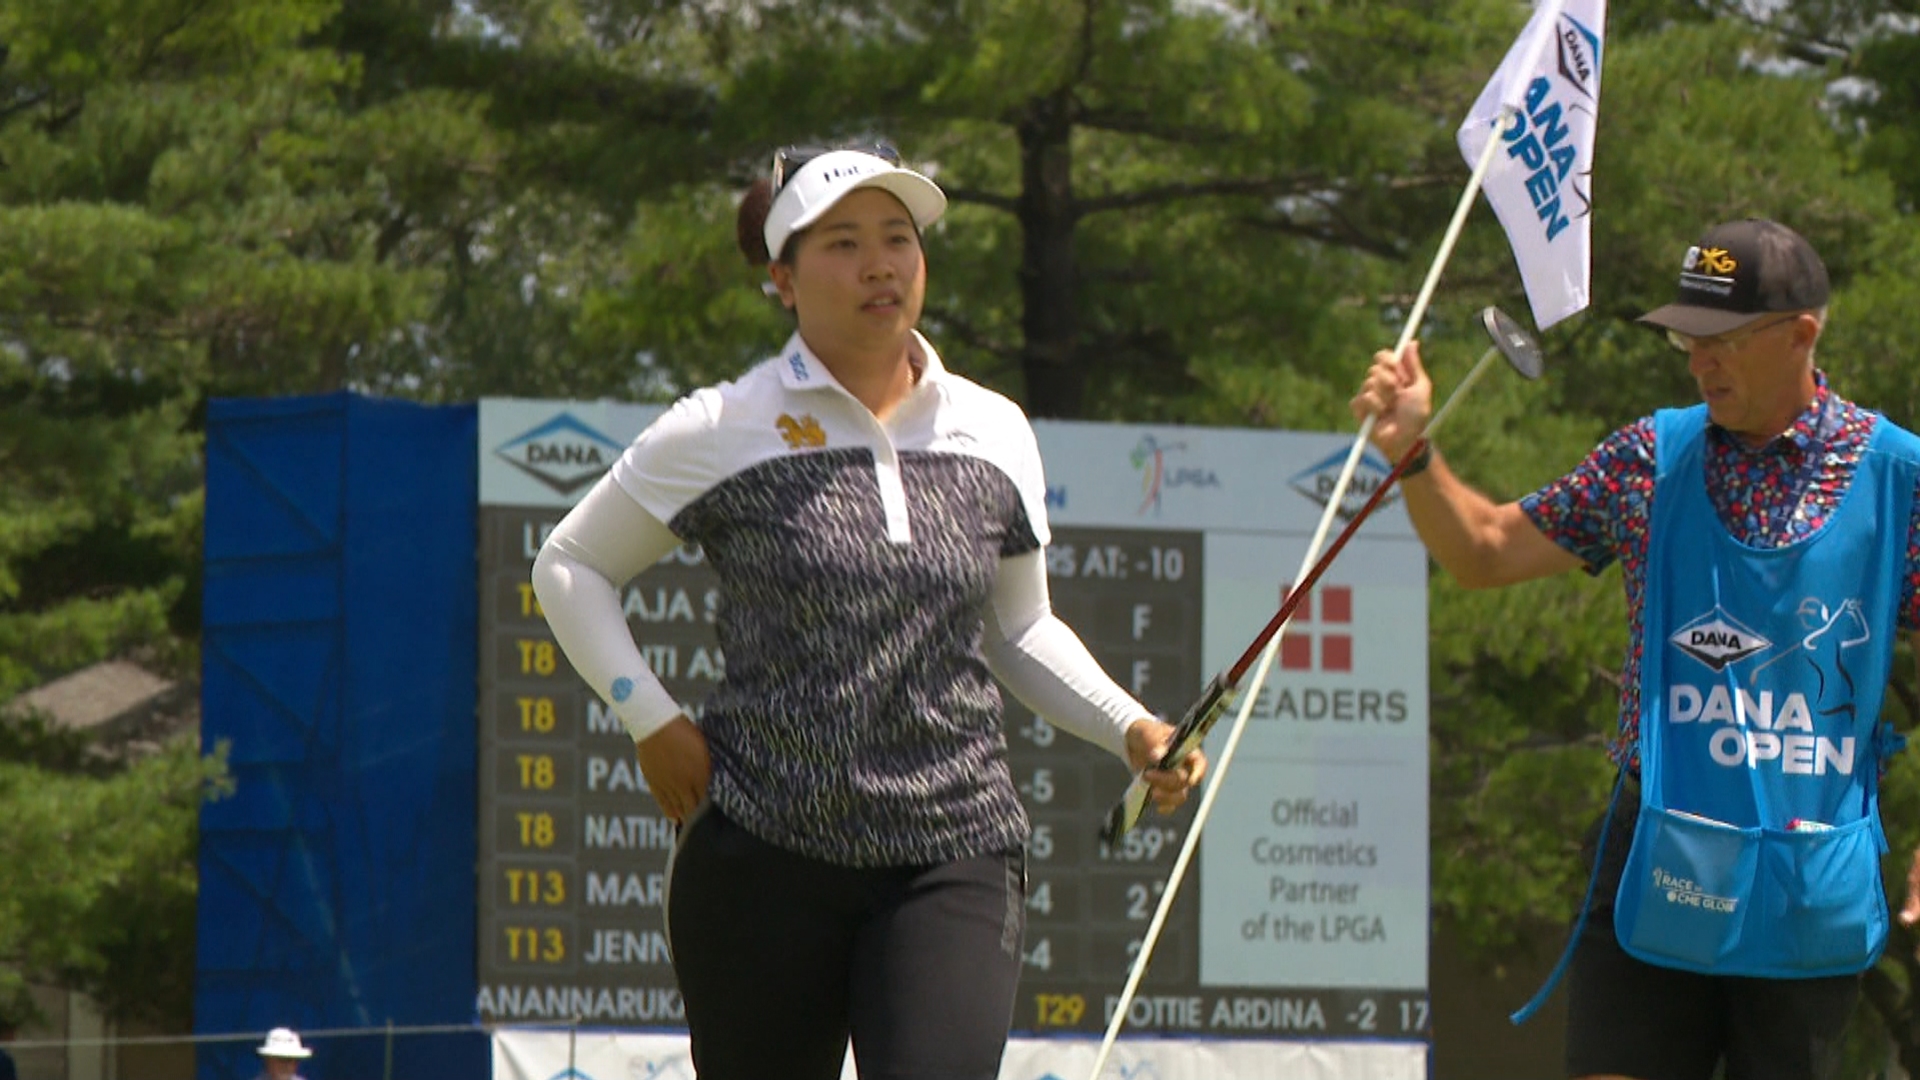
(1218, 772)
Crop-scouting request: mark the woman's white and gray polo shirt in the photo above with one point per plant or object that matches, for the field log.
(856, 722)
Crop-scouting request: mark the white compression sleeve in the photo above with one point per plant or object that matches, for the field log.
(603, 543)
(1045, 663)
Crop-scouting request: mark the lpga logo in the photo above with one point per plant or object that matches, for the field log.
(1149, 458)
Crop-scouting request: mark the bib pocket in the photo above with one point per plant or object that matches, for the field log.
(1683, 895)
(1819, 899)
(1702, 895)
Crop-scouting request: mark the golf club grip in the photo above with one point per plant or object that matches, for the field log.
(1188, 734)
(1192, 729)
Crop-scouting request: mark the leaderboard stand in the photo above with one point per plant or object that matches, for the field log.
(1304, 917)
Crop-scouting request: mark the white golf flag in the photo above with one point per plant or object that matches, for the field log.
(1541, 181)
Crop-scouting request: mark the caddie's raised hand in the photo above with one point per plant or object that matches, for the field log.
(676, 765)
(1399, 395)
(1148, 740)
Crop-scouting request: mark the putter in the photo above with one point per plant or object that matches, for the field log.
(1203, 714)
(1523, 353)
(1509, 340)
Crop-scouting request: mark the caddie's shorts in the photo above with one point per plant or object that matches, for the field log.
(1626, 1017)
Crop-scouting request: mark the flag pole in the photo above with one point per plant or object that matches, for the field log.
(1218, 769)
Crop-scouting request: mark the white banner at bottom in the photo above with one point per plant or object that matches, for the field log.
(546, 1054)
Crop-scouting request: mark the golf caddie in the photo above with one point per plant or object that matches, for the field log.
(1767, 541)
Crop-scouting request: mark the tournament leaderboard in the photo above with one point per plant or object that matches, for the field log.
(1304, 914)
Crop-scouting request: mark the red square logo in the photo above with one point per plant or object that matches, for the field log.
(1336, 652)
(1303, 613)
(1336, 604)
(1296, 653)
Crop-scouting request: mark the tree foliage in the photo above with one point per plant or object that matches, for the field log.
(97, 880)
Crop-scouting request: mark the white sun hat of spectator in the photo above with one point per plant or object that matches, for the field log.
(283, 1043)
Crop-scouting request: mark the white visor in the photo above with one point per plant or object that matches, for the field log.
(824, 181)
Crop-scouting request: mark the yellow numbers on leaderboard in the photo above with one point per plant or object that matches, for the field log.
(536, 944)
(536, 886)
(536, 829)
(1059, 1010)
(537, 657)
(537, 715)
(536, 771)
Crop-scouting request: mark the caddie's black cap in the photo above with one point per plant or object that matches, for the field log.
(1739, 271)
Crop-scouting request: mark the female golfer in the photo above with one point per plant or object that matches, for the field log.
(851, 857)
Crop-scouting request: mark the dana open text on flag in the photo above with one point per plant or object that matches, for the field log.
(1543, 104)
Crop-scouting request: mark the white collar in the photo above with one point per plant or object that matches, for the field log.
(800, 369)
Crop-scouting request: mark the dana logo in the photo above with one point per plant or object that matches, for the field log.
(1161, 468)
(1579, 56)
(1716, 640)
(1317, 481)
(798, 365)
(563, 453)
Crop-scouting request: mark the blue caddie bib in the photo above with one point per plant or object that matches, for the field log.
(1757, 851)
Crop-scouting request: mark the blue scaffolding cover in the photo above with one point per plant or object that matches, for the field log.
(337, 883)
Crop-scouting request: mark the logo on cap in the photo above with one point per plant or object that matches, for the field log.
(1717, 260)
(1709, 269)
(855, 170)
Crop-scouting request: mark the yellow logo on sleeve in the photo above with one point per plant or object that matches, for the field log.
(802, 433)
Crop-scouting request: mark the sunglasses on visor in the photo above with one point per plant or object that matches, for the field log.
(789, 160)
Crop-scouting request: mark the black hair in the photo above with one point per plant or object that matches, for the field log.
(750, 223)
